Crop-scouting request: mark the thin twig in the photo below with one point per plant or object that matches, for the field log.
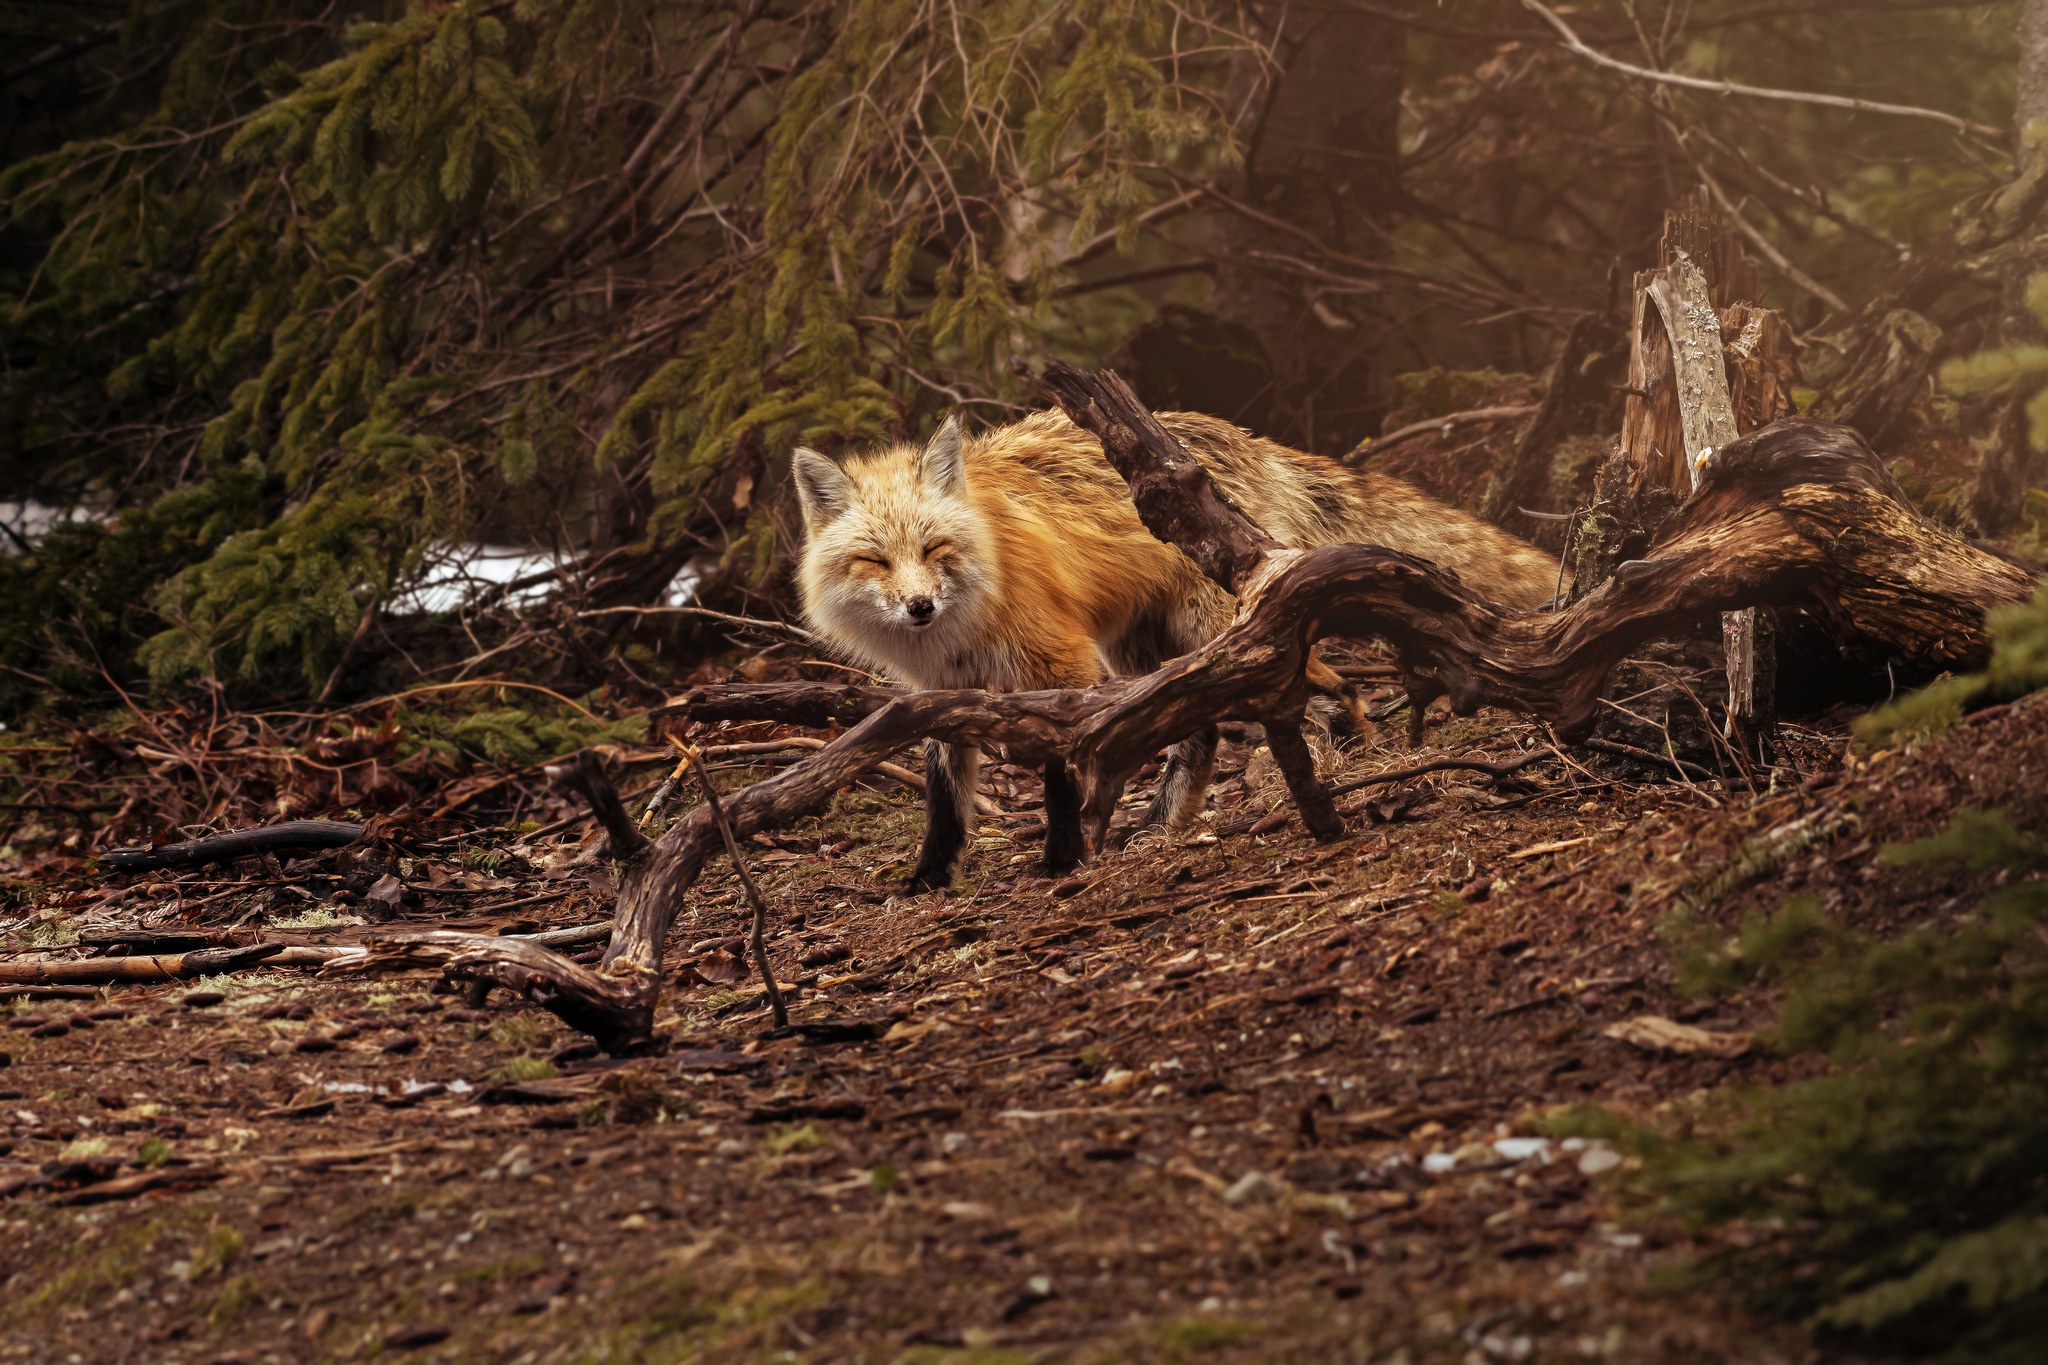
(1573, 42)
(783, 628)
(1505, 413)
(1441, 765)
(1685, 769)
(758, 941)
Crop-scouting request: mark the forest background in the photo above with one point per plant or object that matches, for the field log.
(302, 302)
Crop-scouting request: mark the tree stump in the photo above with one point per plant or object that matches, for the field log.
(1706, 365)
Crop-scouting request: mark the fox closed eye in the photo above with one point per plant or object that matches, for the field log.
(937, 547)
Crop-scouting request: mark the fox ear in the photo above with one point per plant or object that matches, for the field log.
(942, 466)
(822, 488)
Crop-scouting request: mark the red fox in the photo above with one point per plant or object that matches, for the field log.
(1014, 560)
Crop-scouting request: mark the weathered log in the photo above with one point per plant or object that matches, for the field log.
(1800, 513)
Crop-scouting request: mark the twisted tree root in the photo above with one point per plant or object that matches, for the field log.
(1799, 513)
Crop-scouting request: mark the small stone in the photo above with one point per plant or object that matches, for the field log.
(56, 1028)
(201, 1000)
(1253, 1187)
(399, 1043)
(1598, 1160)
(1476, 890)
(952, 1144)
(314, 1043)
(80, 1021)
(1523, 1148)
(28, 1021)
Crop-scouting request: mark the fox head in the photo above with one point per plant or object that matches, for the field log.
(896, 566)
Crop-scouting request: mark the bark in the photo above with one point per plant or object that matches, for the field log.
(1707, 365)
(1800, 513)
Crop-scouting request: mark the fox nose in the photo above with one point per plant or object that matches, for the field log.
(920, 608)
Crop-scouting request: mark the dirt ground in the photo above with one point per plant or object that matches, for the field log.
(1235, 1096)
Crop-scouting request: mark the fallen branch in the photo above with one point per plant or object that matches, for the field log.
(790, 632)
(1433, 426)
(107, 971)
(585, 776)
(291, 836)
(1440, 765)
(757, 940)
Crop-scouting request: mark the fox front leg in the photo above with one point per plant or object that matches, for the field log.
(1065, 846)
(950, 775)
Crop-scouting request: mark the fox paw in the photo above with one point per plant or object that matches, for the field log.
(928, 879)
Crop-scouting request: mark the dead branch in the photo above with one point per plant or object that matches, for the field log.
(585, 776)
(757, 940)
(1440, 765)
(1573, 42)
(1655, 760)
(105, 971)
(1432, 426)
(1175, 497)
(291, 836)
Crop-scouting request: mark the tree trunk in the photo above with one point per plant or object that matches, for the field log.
(2032, 105)
(1322, 153)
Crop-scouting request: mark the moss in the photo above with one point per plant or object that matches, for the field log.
(808, 1137)
(102, 1264)
(527, 1069)
(1194, 1336)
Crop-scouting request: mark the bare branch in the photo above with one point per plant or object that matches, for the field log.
(1573, 42)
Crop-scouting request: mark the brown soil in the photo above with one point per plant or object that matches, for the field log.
(1176, 1108)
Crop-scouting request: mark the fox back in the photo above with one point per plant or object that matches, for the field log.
(1015, 559)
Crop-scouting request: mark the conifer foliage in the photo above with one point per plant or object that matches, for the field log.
(391, 283)
(1900, 1196)
(295, 298)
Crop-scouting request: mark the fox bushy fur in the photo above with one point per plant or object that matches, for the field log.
(1015, 560)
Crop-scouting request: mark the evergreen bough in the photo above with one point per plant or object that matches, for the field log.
(1901, 1197)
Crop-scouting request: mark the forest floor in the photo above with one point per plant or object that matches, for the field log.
(1233, 1096)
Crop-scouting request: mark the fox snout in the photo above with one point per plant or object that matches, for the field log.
(920, 609)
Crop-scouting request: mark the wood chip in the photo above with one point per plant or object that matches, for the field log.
(1556, 846)
(1654, 1033)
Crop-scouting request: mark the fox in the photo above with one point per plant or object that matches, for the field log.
(1014, 560)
